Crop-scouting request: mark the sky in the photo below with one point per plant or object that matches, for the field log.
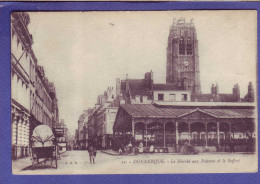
(84, 52)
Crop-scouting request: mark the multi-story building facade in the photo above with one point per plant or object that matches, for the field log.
(34, 100)
(92, 127)
(99, 122)
(107, 126)
(21, 55)
(41, 101)
(80, 131)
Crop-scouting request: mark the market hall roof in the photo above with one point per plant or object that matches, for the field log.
(177, 111)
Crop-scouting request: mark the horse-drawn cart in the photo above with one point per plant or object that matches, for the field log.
(44, 145)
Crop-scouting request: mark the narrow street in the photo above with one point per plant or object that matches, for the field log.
(70, 161)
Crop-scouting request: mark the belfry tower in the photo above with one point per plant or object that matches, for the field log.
(182, 68)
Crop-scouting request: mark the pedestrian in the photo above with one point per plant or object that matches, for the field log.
(91, 153)
(94, 154)
(136, 150)
(130, 147)
(151, 149)
(232, 145)
(120, 151)
(141, 148)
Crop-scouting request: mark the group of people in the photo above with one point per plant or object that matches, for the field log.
(138, 149)
(129, 148)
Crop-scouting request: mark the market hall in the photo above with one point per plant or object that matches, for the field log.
(207, 126)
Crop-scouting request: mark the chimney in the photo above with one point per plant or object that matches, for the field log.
(213, 89)
(250, 94)
(118, 86)
(217, 90)
(236, 92)
(126, 83)
(148, 80)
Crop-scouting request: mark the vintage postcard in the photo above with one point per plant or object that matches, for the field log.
(134, 92)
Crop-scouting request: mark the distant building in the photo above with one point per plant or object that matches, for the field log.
(135, 91)
(82, 141)
(63, 141)
(101, 121)
(167, 92)
(105, 123)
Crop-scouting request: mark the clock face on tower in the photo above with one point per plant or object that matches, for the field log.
(186, 63)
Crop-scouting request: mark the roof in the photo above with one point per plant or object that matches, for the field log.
(207, 97)
(165, 87)
(153, 111)
(136, 87)
(81, 117)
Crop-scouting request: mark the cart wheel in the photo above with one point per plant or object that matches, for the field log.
(56, 163)
(32, 163)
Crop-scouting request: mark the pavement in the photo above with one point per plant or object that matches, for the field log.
(21, 163)
(110, 162)
(110, 152)
(115, 153)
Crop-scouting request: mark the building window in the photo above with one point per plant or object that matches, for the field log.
(160, 97)
(137, 98)
(184, 97)
(182, 46)
(145, 98)
(172, 97)
(189, 47)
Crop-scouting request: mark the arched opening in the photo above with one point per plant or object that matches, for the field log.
(212, 134)
(182, 46)
(155, 134)
(242, 135)
(170, 134)
(224, 133)
(183, 132)
(189, 46)
(139, 132)
(185, 84)
(198, 134)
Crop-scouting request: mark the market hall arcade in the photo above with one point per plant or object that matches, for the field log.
(207, 127)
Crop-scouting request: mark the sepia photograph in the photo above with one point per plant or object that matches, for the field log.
(134, 92)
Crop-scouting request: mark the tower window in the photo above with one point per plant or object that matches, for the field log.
(182, 46)
(189, 47)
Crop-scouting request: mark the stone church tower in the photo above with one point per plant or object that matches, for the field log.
(182, 68)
